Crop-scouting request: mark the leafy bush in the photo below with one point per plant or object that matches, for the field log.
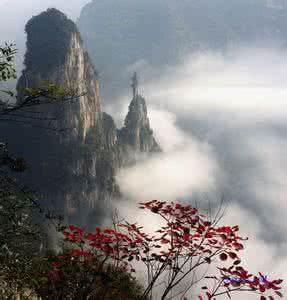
(69, 276)
(7, 69)
(97, 261)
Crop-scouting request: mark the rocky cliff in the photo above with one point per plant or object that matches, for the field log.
(75, 169)
(55, 54)
(137, 134)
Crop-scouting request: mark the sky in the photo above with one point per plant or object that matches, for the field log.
(30, 7)
(14, 14)
(221, 120)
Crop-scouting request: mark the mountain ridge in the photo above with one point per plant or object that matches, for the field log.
(76, 169)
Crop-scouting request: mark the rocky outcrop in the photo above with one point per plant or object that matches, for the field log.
(75, 169)
(55, 54)
(137, 133)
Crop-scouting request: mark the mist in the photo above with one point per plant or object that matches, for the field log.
(221, 120)
(170, 174)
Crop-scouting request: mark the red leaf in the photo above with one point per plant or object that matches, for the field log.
(207, 223)
(238, 246)
(56, 264)
(154, 210)
(76, 252)
(235, 228)
(223, 256)
(232, 255)
(186, 236)
(261, 288)
(279, 294)
(164, 241)
(278, 281)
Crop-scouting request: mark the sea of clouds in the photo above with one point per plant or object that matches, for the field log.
(221, 120)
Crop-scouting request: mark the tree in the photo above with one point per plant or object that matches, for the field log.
(20, 234)
(7, 69)
(77, 278)
(187, 242)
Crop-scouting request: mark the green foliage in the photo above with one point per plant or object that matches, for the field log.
(78, 279)
(45, 93)
(19, 235)
(49, 35)
(7, 69)
(50, 91)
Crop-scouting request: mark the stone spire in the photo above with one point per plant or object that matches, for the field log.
(134, 85)
(137, 132)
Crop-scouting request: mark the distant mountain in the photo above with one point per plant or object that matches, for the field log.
(120, 33)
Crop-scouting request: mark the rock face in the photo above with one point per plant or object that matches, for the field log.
(137, 133)
(75, 169)
(55, 54)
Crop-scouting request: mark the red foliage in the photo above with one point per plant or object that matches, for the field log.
(187, 234)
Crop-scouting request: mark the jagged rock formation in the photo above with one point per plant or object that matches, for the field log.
(55, 53)
(75, 169)
(137, 132)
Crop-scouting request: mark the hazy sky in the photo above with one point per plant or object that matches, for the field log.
(14, 14)
(29, 7)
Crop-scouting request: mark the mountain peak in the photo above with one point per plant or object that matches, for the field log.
(55, 54)
(137, 132)
(48, 39)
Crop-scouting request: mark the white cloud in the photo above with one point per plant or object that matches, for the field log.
(258, 256)
(184, 166)
(248, 83)
(236, 102)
